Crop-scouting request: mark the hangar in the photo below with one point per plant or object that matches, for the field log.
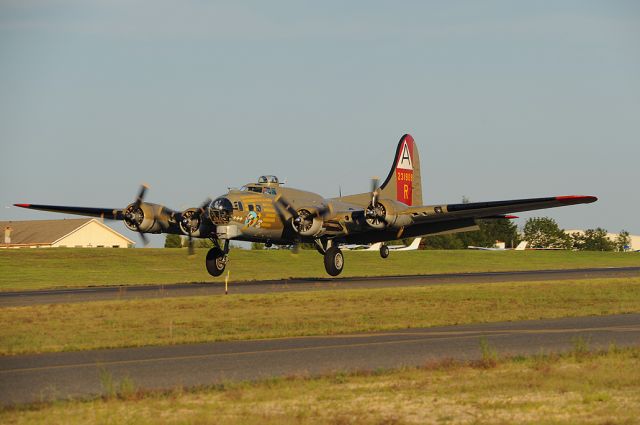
(70, 233)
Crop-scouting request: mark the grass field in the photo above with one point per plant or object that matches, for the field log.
(66, 267)
(579, 387)
(107, 324)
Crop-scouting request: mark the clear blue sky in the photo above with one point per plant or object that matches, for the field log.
(505, 100)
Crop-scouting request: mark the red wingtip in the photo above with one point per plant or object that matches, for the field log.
(22, 205)
(511, 217)
(576, 198)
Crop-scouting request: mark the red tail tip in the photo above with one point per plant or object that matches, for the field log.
(22, 205)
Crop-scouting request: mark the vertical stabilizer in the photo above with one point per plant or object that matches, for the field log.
(404, 182)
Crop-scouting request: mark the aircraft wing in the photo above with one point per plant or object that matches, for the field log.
(108, 213)
(493, 209)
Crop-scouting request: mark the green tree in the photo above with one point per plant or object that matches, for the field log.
(593, 240)
(173, 241)
(491, 231)
(449, 241)
(257, 245)
(543, 232)
(623, 240)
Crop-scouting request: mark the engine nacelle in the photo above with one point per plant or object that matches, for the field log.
(386, 214)
(195, 221)
(145, 217)
(307, 224)
(190, 222)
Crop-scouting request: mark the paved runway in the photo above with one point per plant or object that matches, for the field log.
(271, 286)
(78, 374)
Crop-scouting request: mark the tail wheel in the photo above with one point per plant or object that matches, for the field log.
(384, 251)
(333, 261)
(216, 261)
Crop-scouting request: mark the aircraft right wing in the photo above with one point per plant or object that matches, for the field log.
(493, 209)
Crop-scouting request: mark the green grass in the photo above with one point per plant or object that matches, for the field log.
(598, 388)
(108, 324)
(66, 267)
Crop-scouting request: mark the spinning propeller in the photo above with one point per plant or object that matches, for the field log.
(190, 222)
(375, 212)
(302, 219)
(134, 215)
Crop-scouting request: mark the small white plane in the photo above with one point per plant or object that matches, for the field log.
(362, 248)
(383, 249)
(412, 247)
(500, 247)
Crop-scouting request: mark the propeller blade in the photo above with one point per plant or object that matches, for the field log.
(141, 193)
(190, 248)
(204, 205)
(144, 238)
(374, 184)
(374, 191)
(287, 206)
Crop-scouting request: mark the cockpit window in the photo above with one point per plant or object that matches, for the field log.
(268, 179)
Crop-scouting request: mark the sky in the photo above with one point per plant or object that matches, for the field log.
(505, 100)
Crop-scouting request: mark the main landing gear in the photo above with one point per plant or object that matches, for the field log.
(333, 261)
(333, 258)
(217, 258)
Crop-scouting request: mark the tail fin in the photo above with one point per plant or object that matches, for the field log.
(404, 182)
(521, 246)
(414, 245)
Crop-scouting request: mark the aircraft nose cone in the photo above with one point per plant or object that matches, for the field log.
(220, 210)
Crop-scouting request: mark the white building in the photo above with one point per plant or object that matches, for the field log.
(635, 239)
(71, 233)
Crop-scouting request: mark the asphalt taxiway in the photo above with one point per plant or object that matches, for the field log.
(34, 378)
(101, 293)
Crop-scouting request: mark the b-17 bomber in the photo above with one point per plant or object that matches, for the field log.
(268, 212)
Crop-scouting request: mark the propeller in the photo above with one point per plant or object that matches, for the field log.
(302, 219)
(376, 212)
(133, 212)
(191, 222)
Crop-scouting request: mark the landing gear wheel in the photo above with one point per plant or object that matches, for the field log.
(216, 261)
(384, 251)
(333, 261)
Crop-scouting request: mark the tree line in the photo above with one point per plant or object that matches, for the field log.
(539, 232)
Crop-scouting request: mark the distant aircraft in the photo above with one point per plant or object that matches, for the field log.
(383, 249)
(362, 248)
(269, 213)
(521, 247)
(411, 247)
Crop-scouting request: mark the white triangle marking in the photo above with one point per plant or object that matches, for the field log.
(405, 162)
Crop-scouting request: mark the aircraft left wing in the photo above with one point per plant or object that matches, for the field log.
(493, 209)
(108, 213)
